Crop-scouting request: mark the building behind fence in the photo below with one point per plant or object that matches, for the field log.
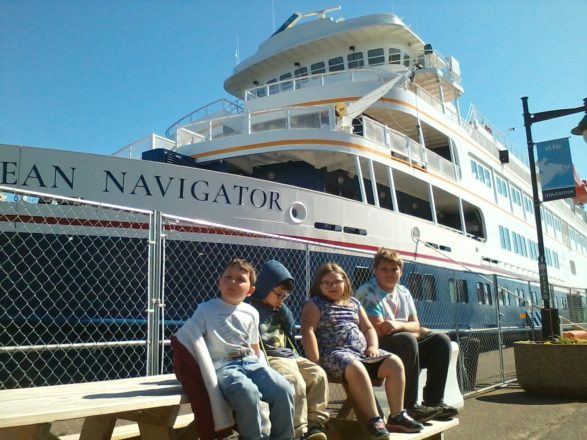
(91, 292)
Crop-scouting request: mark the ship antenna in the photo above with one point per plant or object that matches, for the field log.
(236, 52)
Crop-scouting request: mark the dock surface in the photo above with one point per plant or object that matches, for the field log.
(510, 413)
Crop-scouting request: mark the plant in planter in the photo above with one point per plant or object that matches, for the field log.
(552, 368)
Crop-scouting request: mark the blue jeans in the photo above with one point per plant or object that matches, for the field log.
(244, 383)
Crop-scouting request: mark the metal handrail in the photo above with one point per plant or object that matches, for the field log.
(232, 107)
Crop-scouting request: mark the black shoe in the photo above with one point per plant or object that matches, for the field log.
(445, 411)
(315, 433)
(403, 423)
(376, 428)
(424, 413)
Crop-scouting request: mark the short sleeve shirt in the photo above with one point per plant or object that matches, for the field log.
(229, 330)
(395, 306)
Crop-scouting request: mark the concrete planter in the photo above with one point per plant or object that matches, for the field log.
(553, 370)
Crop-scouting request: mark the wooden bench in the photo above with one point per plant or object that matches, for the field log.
(152, 402)
(434, 429)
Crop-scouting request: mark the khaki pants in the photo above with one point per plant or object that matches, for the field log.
(311, 391)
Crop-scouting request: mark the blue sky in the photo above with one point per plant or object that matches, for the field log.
(96, 75)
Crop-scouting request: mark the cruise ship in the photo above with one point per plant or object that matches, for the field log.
(346, 132)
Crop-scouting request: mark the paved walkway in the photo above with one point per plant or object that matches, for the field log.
(511, 414)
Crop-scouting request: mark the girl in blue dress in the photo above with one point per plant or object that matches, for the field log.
(337, 334)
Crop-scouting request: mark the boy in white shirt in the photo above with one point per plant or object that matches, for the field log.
(230, 329)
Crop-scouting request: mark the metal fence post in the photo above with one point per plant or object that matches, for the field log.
(498, 316)
(154, 293)
(308, 275)
(532, 306)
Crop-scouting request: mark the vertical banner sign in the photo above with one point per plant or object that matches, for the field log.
(556, 169)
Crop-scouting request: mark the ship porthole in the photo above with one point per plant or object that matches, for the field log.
(297, 212)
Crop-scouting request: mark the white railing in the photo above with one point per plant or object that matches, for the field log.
(319, 80)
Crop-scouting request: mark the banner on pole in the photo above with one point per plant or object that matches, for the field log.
(556, 169)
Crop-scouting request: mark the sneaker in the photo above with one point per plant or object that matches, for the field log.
(376, 428)
(424, 413)
(315, 433)
(403, 423)
(445, 411)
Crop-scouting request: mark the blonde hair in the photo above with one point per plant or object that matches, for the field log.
(326, 269)
(244, 265)
(387, 255)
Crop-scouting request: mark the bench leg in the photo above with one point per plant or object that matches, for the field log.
(150, 431)
(190, 432)
(154, 424)
(29, 432)
(98, 428)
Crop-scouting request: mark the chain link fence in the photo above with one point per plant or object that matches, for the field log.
(91, 292)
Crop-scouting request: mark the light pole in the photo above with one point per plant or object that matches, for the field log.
(550, 319)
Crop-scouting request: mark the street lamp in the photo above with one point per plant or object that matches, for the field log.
(550, 319)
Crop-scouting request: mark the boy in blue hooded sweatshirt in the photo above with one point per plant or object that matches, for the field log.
(276, 329)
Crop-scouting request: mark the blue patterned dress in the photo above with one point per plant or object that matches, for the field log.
(340, 340)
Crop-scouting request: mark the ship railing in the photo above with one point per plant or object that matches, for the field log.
(489, 133)
(208, 111)
(407, 149)
(434, 102)
(492, 147)
(397, 143)
(135, 149)
(319, 80)
(321, 117)
(442, 166)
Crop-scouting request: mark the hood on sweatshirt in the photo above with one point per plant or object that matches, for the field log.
(271, 275)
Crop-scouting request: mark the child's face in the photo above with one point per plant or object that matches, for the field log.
(276, 297)
(332, 286)
(387, 275)
(235, 285)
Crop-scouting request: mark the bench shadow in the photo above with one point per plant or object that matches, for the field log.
(174, 389)
(520, 397)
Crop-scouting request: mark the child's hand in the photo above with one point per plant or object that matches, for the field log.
(372, 351)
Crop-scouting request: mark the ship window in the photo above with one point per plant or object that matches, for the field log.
(302, 72)
(462, 291)
(484, 294)
(355, 60)
(415, 285)
(406, 60)
(573, 269)
(327, 226)
(457, 291)
(261, 91)
(273, 88)
(351, 230)
(376, 56)
(501, 296)
(335, 64)
(285, 85)
(317, 68)
(480, 293)
(534, 296)
(429, 288)
(395, 56)
(448, 211)
(520, 297)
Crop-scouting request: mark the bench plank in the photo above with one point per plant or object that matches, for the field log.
(63, 402)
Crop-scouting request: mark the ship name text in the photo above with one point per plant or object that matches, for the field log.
(124, 183)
